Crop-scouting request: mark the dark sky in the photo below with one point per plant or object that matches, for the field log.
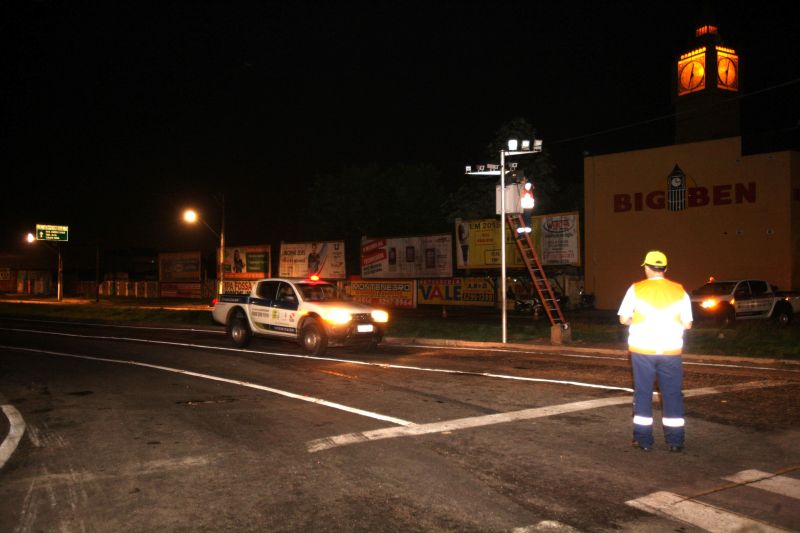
(115, 116)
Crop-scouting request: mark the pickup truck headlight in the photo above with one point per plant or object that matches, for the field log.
(337, 316)
(380, 316)
(709, 303)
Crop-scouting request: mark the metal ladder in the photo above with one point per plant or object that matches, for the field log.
(539, 278)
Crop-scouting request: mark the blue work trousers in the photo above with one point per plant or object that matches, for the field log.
(668, 369)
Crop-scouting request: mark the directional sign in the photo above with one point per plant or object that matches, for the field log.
(45, 232)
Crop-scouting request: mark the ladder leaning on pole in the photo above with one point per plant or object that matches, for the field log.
(531, 259)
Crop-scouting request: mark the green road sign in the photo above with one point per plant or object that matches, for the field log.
(46, 232)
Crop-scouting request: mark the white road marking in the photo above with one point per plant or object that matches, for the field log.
(327, 359)
(248, 384)
(15, 433)
(326, 443)
(460, 423)
(546, 525)
(698, 514)
(783, 485)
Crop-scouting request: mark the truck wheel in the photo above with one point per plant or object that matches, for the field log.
(239, 331)
(783, 315)
(314, 339)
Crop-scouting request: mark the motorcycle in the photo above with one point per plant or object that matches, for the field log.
(529, 306)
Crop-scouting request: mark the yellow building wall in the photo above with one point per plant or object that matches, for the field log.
(741, 218)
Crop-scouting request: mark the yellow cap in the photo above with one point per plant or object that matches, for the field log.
(655, 258)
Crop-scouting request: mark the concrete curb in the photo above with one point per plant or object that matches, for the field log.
(453, 343)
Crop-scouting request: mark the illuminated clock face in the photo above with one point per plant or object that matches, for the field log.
(691, 75)
(727, 72)
(676, 181)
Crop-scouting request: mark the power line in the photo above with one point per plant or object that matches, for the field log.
(673, 115)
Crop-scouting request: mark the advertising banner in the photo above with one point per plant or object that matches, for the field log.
(247, 262)
(180, 290)
(560, 239)
(427, 256)
(303, 259)
(478, 245)
(556, 239)
(387, 293)
(180, 266)
(456, 291)
(238, 287)
(7, 280)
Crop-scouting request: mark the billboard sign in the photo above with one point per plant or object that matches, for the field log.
(48, 232)
(180, 266)
(247, 262)
(556, 239)
(304, 259)
(427, 256)
(559, 239)
(456, 291)
(384, 293)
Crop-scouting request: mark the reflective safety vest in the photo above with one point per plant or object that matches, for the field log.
(659, 308)
(527, 200)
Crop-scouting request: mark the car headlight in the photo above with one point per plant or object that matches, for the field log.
(337, 316)
(380, 316)
(709, 303)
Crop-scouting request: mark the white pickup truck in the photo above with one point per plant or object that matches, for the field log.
(744, 299)
(310, 312)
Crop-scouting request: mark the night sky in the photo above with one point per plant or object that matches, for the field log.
(116, 116)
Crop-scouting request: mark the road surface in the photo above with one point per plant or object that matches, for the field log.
(153, 429)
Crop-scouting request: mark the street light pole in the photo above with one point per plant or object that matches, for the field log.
(514, 148)
(504, 313)
(191, 216)
(60, 274)
(221, 287)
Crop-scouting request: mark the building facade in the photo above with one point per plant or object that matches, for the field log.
(714, 211)
(711, 210)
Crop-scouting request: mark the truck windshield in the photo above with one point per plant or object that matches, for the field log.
(721, 287)
(318, 291)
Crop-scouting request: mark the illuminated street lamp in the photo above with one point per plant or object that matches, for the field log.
(31, 238)
(515, 147)
(191, 216)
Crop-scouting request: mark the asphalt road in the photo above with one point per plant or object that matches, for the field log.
(138, 429)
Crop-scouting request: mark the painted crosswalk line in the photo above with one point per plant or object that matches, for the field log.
(698, 514)
(783, 485)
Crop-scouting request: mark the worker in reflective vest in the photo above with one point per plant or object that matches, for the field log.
(657, 312)
(526, 202)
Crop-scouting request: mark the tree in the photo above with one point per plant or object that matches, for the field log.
(370, 200)
(476, 197)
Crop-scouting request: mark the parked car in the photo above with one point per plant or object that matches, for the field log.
(744, 299)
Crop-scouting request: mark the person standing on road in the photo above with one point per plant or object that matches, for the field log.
(657, 312)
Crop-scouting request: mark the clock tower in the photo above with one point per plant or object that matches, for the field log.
(706, 90)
